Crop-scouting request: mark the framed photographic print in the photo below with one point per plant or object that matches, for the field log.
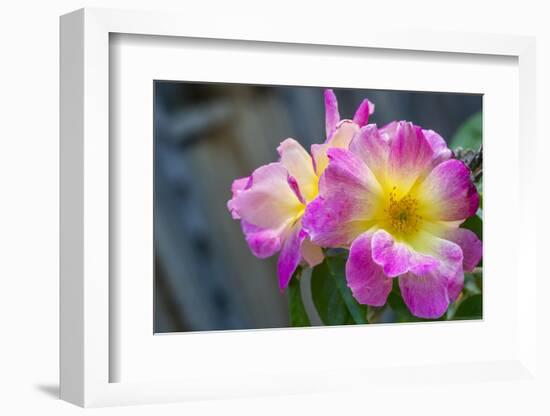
(284, 213)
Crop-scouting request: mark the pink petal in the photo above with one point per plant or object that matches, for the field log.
(469, 243)
(290, 255)
(389, 130)
(269, 201)
(372, 149)
(423, 257)
(396, 257)
(426, 296)
(343, 134)
(427, 291)
(373, 145)
(346, 172)
(293, 183)
(365, 109)
(410, 156)
(320, 158)
(447, 253)
(367, 281)
(348, 201)
(439, 147)
(340, 138)
(332, 116)
(330, 222)
(449, 192)
(263, 242)
(455, 285)
(299, 164)
(240, 184)
(237, 186)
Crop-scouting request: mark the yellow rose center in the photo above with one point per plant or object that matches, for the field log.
(402, 214)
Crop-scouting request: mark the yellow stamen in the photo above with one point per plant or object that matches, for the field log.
(402, 214)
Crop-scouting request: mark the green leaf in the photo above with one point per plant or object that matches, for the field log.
(326, 297)
(473, 284)
(470, 308)
(475, 224)
(469, 134)
(296, 309)
(331, 295)
(337, 267)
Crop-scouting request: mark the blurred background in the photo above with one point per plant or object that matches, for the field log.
(207, 135)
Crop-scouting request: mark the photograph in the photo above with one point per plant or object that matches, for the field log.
(291, 206)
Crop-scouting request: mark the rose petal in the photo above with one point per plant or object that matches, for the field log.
(365, 109)
(426, 296)
(439, 147)
(290, 255)
(398, 257)
(388, 131)
(263, 242)
(269, 201)
(455, 285)
(420, 255)
(469, 243)
(329, 224)
(293, 183)
(409, 157)
(447, 193)
(348, 201)
(341, 139)
(347, 173)
(447, 253)
(367, 281)
(372, 149)
(332, 116)
(299, 164)
(427, 291)
(237, 186)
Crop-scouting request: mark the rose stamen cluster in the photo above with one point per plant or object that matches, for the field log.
(402, 214)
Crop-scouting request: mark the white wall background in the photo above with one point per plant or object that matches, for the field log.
(29, 181)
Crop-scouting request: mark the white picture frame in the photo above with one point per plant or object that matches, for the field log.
(87, 303)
